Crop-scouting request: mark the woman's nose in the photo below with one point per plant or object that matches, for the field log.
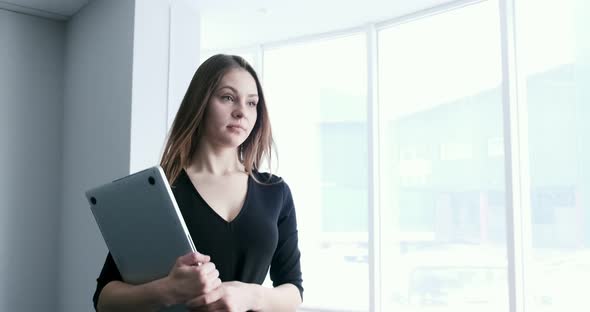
(238, 113)
(239, 107)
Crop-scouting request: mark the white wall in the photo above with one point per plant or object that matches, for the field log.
(81, 103)
(97, 115)
(118, 86)
(150, 83)
(165, 57)
(185, 47)
(31, 95)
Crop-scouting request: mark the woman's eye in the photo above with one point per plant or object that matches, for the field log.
(227, 98)
(252, 103)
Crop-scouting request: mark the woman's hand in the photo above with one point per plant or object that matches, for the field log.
(193, 275)
(230, 297)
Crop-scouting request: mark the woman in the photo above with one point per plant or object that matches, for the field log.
(242, 221)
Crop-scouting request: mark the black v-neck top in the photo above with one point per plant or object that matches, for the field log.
(262, 235)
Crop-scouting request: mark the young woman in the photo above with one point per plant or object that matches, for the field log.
(242, 221)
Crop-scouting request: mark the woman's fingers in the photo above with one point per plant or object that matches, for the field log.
(187, 279)
(211, 281)
(193, 258)
(213, 285)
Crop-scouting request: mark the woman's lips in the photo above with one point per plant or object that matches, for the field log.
(236, 128)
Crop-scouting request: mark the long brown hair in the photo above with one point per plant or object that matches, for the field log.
(187, 128)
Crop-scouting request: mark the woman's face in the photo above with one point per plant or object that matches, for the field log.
(231, 111)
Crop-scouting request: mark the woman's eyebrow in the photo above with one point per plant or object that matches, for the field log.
(236, 91)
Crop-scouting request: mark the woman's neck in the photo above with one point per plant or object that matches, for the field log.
(217, 161)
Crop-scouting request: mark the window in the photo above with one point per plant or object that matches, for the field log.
(317, 103)
(443, 235)
(555, 58)
(442, 160)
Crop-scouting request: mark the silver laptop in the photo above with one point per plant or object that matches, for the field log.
(141, 224)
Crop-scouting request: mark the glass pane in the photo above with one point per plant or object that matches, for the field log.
(317, 101)
(556, 59)
(442, 163)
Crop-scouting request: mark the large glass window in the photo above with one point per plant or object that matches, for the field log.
(442, 163)
(317, 101)
(441, 158)
(555, 57)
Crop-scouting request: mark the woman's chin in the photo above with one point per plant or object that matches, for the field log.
(233, 142)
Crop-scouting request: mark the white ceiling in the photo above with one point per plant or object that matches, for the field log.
(55, 9)
(240, 23)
